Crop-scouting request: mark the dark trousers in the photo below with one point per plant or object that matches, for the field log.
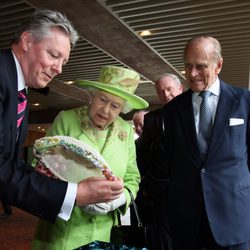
(158, 235)
(205, 239)
(6, 207)
(151, 217)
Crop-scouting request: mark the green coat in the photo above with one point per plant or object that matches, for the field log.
(118, 149)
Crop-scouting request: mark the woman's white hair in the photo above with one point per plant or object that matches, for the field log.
(91, 91)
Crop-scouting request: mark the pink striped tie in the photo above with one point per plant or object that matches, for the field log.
(22, 102)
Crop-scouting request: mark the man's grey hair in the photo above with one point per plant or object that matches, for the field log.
(40, 23)
(217, 51)
(174, 77)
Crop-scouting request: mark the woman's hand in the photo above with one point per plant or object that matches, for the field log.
(105, 207)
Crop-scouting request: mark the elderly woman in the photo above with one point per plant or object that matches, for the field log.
(100, 126)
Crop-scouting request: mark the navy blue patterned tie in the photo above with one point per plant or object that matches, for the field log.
(205, 123)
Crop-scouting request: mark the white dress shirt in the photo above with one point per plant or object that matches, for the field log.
(212, 102)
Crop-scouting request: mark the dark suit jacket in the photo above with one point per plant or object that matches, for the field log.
(152, 128)
(149, 206)
(19, 184)
(221, 183)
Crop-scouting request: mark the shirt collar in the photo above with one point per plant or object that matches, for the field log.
(214, 88)
(20, 77)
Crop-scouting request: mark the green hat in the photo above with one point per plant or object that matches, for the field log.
(118, 81)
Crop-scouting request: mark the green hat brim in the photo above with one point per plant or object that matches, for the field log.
(135, 101)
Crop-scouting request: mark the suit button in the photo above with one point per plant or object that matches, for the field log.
(203, 170)
(92, 220)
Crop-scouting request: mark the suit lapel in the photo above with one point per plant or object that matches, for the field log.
(12, 73)
(227, 102)
(186, 113)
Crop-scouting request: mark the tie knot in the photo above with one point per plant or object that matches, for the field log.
(22, 96)
(205, 94)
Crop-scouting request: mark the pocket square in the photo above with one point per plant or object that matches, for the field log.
(235, 121)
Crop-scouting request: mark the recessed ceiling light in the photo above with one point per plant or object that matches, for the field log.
(69, 82)
(36, 104)
(145, 33)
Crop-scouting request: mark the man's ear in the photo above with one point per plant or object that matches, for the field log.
(181, 88)
(26, 40)
(219, 66)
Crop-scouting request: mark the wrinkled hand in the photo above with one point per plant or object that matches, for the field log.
(104, 208)
(98, 190)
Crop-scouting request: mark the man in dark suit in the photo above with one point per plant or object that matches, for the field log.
(41, 47)
(207, 195)
(167, 86)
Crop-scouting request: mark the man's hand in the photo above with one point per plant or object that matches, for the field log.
(97, 189)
